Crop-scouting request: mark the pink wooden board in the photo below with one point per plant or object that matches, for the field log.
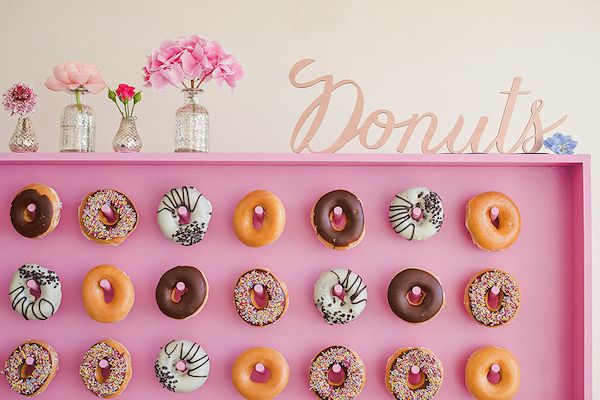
(550, 336)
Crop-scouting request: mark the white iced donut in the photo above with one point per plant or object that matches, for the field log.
(25, 303)
(334, 309)
(194, 370)
(199, 212)
(417, 213)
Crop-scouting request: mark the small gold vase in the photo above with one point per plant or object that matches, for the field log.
(23, 139)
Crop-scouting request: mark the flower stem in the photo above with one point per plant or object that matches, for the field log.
(119, 108)
(78, 100)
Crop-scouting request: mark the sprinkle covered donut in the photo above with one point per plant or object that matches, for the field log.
(416, 213)
(185, 226)
(118, 364)
(182, 366)
(479, 366)
(429, 371)
(492, 297)
(322, 219)
(488, 232)
(35, 210)
(22, 299)
(95, 224)
(245, 298)
(342, 307)
(350, 363)
(43, 368)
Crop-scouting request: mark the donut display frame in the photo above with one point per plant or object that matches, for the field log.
(544, 260)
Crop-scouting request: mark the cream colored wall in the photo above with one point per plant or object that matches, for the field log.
(448, 57)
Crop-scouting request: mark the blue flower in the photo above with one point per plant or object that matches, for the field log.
(560, 144)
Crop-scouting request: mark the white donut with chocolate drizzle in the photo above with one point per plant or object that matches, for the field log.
(349, 305)
(199, 212)
(25, 303)
(416, 213)
(192, 371)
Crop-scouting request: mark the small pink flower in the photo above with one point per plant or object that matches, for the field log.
(125, 92)
(20, 99)
(71, 76)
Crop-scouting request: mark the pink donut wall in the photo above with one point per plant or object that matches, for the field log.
(550, 260)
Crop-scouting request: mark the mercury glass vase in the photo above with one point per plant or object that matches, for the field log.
(23, 139)
(191, 124)
(78, 125)
(127, 139)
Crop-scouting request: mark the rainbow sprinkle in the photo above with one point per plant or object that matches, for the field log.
(41, 371)
(90, 215)
(243, 298)
(90, 364)
(509, 301)
(430, 366)
(350, 363)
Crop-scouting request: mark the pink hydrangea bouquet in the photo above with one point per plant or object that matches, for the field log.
(193, 59)
(20, 99)
(127, 96)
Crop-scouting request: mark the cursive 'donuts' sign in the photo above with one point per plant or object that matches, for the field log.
(311, 119)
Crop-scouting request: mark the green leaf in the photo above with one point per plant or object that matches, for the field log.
(137, 97)
(112, 95)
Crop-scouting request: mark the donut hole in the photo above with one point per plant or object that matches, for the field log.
(29, 216)
(493, 302)
(415, 300)
(336, 379)
(494, 221)
(493, 377)
(102, 374)
(416, 381)
(258, 377)
(108, 292)
(177, 295)
(259, 302)
(34, 289)
(258, 219)
(27, 370)
(184, 215)
(338, 222)
(108, 220)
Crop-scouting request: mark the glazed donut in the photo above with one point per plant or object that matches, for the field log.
(333, 309)
(413, 224)
(273, 361)
(352, 365)
(25, 303)
(193, 298)
(478, 368)
(195, 363)
(246, 305)
(199, 210)
(478, 290)
(398, 369)
(272, 224)
(322, 220)
(93, 294)
(428, 304)
(45, 365)
(488, 235)
(43, 219)
(119, 368)
(95, 225)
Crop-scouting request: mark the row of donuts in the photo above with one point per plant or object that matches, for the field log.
(108, 216)
(492, 297)
(336, 372)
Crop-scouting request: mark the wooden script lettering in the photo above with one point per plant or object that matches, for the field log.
(530, 140)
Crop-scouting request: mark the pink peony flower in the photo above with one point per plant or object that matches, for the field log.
(125, 92)
(71, 76)
(20, 99)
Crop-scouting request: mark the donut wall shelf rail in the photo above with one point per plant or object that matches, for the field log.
(551, 261)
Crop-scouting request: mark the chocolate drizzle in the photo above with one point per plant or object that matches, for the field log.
(401, 213)
(190, 198)
(178, 197)
(197, 363)
(26, 304)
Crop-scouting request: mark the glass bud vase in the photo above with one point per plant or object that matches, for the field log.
(23, 139)
(78, 125)
(191, 124)
(127, 139)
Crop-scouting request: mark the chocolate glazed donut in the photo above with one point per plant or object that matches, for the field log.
(47, 210)
(354, 229)
(192, 300)
(431, 301)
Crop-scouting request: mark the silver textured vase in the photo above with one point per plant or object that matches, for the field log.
(78, 125)
(23, 139)
(191, 124)
(127, 139)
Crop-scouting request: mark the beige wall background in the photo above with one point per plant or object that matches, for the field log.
(448, 57)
